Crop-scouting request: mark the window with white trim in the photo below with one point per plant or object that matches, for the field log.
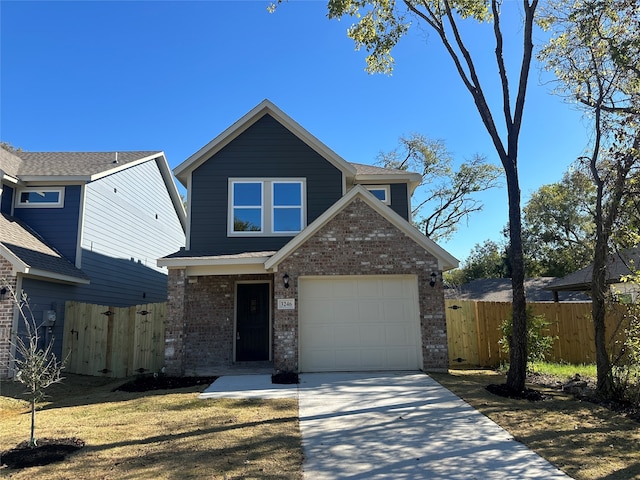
(38, 197)
(268, 207)
(381, 192)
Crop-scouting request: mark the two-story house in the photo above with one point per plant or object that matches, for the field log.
(301, 260)
(83, 226)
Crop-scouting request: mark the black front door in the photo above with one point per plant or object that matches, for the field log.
(252, 326)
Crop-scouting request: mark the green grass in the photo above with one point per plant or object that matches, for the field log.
(563, 370)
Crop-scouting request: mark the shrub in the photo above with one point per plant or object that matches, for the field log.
(539, 342)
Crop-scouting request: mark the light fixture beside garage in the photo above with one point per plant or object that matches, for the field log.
(285, 280)
(434, 276)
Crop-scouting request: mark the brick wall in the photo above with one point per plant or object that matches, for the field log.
(201, 315)
(358, 241)
(6, 316)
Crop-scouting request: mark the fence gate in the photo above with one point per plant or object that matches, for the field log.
(114, 342)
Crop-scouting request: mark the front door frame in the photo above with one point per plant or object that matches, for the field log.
(235, 316)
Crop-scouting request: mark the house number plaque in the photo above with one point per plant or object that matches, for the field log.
(286, 303)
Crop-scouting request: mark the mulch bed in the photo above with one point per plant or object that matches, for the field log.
(285, 378)
(48, 450)
(503, 390)
(162, 382)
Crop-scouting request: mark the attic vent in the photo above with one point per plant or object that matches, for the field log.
(116, 159)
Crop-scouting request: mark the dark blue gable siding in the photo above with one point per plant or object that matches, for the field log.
(6, 199)
(264, 150)
(58, 226)
(399, 200)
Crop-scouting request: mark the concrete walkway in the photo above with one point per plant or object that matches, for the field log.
(393, 426)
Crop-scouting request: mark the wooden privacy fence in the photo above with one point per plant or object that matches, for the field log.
(473, 330)
(114, 342)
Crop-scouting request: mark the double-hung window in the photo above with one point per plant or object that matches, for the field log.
(268, 207)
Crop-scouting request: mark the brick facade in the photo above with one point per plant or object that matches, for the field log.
(357, 241)
(200, 322)
(6, 316)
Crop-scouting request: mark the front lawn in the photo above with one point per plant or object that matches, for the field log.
(587, 441)
(165, 434)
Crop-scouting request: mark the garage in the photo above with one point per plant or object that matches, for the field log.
(359, 323)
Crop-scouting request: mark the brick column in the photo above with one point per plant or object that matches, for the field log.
(175, 322)
(7, 279)
(285, 325)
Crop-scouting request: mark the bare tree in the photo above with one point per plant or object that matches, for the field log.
(36, 367)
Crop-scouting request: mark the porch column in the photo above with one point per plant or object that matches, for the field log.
(175, 322)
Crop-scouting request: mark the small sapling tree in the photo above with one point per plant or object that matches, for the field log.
(37, 367)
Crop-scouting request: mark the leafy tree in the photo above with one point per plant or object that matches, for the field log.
(37, 367)
(558, 230)
(486, 260)
(444, 195)
(595, 53)
(380, 24)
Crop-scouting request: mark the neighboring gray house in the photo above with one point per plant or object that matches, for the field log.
(619, 264)
(499, 290)
(83, 226)
(299, 260)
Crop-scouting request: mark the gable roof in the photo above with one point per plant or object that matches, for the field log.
(265, 107)
(500, 290)
(618, 265)
(445, 260)
(374, 174)
(84, 167)
(28, 253)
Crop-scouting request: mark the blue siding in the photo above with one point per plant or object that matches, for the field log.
(58, 226)
(399, 200)
(264, 150)
(6, 199)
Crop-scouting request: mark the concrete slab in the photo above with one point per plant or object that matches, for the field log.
(248, 386)
(404, 426)
(400, 426)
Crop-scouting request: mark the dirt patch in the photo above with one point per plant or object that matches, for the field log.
(161, 382)
(48, 450)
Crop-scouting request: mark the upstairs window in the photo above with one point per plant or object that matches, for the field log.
(269, 207)
(381, 192)
(247, 207)
(36, 197)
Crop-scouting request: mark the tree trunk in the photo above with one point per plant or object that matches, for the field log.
(32, 439)
(518, 341)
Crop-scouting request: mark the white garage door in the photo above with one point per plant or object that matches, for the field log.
(355, 323)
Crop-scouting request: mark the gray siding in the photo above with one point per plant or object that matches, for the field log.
(264, 150)
(122, 240)
(129, 217)
(399, 200)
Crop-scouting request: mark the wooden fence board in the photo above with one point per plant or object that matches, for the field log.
(570, 322)
(116, 344)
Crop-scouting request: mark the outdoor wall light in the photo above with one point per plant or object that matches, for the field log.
(3, 293)
(434, 276)
(285, 280)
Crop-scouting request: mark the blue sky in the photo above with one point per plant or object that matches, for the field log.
(160, 75)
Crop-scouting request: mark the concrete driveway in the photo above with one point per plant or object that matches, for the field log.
(393, 426)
